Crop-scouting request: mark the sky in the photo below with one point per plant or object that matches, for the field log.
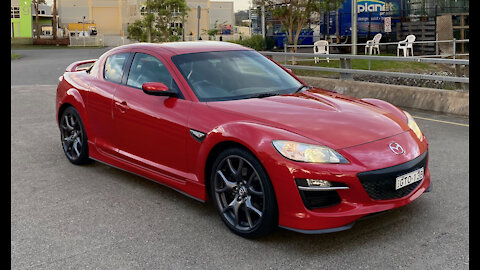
(240, 5)
(237, 4)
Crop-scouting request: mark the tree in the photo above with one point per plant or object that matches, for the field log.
(293, 15)
(213, 31)
(338, 6)
(143, 30)
(240, 16)
(160, 21)
(37, 25)
(54, 19)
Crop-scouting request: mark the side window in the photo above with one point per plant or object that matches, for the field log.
(114, 67)
(147, 68)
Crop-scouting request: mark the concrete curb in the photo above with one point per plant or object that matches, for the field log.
(445, 101)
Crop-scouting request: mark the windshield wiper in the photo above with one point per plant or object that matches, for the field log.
(265, 95)
(301, 87)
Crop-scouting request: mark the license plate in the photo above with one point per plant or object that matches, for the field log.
(409, 178)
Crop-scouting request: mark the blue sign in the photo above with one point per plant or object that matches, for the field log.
(370, 16)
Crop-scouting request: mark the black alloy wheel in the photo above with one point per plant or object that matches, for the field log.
(243, 194)
(73, 136)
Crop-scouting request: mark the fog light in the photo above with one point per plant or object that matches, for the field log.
(318, 183)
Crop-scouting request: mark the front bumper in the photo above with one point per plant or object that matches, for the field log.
(360, 199)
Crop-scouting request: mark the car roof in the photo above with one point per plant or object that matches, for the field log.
(175, 48)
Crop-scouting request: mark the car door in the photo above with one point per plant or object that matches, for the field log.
(151, 131)
(100, 97)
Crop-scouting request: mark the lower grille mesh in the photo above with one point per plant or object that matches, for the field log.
(380, 184)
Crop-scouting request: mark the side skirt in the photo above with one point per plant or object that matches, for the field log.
(189, 188)
(163, 184)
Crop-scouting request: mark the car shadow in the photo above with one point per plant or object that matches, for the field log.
(373, 230)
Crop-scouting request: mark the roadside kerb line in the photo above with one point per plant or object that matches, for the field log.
(441, 121)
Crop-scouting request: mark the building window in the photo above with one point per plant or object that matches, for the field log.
(15, 13)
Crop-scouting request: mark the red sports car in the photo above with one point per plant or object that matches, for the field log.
(219, 121)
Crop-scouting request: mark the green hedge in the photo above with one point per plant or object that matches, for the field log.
(256, 42)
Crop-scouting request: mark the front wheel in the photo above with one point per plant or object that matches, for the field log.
(243, 194)
(74, 137)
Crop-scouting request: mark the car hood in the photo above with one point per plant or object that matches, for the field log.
(333, 120)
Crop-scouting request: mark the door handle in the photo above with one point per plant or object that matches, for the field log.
(122, 106)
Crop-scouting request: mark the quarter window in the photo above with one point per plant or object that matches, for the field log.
(114, 67)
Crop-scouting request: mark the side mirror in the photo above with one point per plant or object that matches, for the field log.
(157, 89)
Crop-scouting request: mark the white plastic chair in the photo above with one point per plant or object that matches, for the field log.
(373, 44)
(405, 45)
(321, 47)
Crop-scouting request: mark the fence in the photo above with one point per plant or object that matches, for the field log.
(231, 37)
(346, 72)
(423, 30)
(87, 41)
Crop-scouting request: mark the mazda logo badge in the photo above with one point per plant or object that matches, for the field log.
(396, 148)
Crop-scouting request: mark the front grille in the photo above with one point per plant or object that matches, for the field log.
(380, 184)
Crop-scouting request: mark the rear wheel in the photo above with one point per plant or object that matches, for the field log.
(73, 136)
(243, 194)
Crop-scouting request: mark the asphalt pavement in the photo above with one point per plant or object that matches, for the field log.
(97, 217)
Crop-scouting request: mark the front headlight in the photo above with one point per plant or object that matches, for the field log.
(307, 152)
(413, 125)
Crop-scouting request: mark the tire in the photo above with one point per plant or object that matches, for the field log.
(73, 137)
(243, 194)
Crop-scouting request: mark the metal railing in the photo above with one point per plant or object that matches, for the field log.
(346, 72)
(454, 43)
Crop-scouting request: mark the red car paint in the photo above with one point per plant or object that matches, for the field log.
(149, 135)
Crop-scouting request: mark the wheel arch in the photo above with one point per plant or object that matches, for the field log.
(73, 98)
(214, 152)
(255, 138)
(62, 108)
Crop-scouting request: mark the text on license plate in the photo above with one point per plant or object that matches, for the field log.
(409, 178)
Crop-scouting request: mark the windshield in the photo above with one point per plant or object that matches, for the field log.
(228, 75)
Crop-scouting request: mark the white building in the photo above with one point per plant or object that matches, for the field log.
(112, 17)
(222, 13)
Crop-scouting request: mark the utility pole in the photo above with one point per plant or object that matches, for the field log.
(250, 24)
(354, 27)
(198, 21)
(149, 28)
(263, 21)
(54, 20)
(183, 27)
